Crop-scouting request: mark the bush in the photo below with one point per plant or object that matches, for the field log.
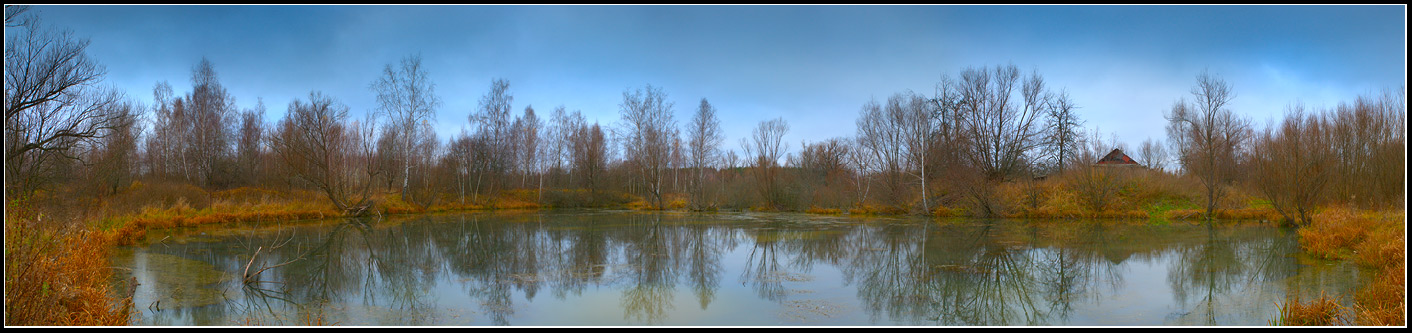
(59, 277)
(1371, 239)
(1323, 311)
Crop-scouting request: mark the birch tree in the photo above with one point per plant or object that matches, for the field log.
(646, 124)
(705, 138)
(492, 122)
(407, 96)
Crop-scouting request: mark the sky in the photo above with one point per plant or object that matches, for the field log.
(814, 66)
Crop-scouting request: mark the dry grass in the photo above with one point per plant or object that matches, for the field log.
(869, 209)
(128, 229)
(59, 277)
(824, 211)
(1333, 233)
(1323, 311)
(1383, 302)
(1375, 240)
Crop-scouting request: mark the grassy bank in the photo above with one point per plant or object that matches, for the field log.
(57, 272)
(1375, 240)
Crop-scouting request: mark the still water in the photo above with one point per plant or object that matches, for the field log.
(585, 268)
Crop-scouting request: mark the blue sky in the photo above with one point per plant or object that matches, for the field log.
(815, 66)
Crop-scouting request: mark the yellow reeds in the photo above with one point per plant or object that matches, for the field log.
(59, 277)
(1323, 311)
(1374, 240)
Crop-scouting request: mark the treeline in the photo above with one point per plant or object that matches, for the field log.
(980, 134)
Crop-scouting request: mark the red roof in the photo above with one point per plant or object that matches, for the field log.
(1116, 157)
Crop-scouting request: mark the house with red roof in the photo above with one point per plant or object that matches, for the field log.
(1117, 158)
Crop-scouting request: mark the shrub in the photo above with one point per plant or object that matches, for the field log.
(1323, 311)
(59, 277)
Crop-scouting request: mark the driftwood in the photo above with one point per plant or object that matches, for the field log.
(249, 277)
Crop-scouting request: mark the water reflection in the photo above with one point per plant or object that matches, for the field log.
(627, 268)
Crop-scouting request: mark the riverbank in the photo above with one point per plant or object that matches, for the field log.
(1375, 240)
(60, 275)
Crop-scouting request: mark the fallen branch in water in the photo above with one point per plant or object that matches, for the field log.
(248, 277)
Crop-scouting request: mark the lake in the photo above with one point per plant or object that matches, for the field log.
(589, 268)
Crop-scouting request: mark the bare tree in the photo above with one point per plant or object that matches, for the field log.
(529, 134)
(705, 137)
(162, 143)
(422, 180)
(862, 163)
(825, 159)
(1064, 128)
(114, 164)
(318, 146)
(565, 125)
(1153, 154)
(1001, 132)
(590, 149)
(1209, 135)
(919, 136)
(556, 142)
(492, 122)
(766, 147)
(14, 16)
(646, 126)
(248, 145)
(676, 159)
(880, 136)
(1369, 137)
(458, 159)
(997, 128)
(408, 97)
(824, 164)
(52, 99)
(1291, 165)
(207, 112)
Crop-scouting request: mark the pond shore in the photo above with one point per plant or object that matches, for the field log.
(1365, 237)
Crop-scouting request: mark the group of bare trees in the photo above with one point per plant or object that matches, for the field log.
(983, 127)
(647, 129)
(319, 146)
(766, 148)
(55, 106)
(1353, 153)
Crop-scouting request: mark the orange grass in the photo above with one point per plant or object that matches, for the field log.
(59, 277)
(824, 211)
(869, 209)
(1372, 239)
(1323, 311)
(1333, 233)
(1383, 301)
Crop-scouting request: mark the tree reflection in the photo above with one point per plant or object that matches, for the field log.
(1206, 271)
(904, 271)
(704, 247)
(997, 284)
(1074, 268)
(649, 252)
(885, 270)
(763, 271)
(1213, 279)
(323, 276)
(482, 256)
